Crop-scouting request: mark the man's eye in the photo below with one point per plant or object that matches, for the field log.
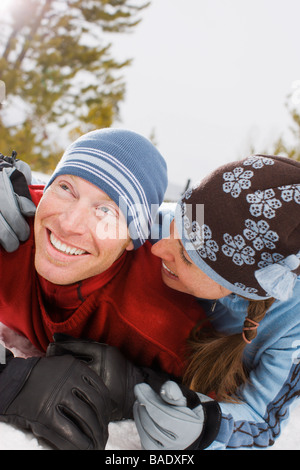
(64, 187)
(104, 211)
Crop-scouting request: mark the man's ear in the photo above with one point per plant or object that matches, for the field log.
(130, 246)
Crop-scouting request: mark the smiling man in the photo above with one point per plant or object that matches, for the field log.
(88, 271)
(87, 267)
(79, 231)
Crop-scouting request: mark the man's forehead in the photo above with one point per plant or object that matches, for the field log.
(94, 190)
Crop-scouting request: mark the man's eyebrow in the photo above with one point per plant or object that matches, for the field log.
(106, 198)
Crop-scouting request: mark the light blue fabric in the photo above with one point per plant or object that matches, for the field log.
(278, 279)
(273, 358)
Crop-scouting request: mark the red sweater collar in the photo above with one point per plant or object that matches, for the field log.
(71, 296)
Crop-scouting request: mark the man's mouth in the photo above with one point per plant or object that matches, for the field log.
(169, 272)
(63, 248)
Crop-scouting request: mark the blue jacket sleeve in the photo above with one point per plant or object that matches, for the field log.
(274, 382)
(257, 421)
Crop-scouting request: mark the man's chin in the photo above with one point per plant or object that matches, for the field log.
(55, 275)
(58, 280)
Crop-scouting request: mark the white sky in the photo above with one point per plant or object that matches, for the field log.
(210, 77)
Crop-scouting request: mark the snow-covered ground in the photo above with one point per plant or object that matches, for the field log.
(122, 435)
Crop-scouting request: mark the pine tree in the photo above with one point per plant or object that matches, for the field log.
(291, 150)
(290, 147)
(59, 74)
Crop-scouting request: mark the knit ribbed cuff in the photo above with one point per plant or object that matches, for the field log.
(13, 378)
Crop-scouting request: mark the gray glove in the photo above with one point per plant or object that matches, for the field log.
(15, 202)
(174, 419)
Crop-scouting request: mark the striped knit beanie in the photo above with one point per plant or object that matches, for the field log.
(248, 238)
(127, 167)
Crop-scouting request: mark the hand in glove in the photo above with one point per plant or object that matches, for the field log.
(118, 374)
(59, 399)
(173, 421)
(15, 202)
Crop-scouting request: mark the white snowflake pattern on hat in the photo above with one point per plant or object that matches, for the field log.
(290, 192)
(247, 290)
(201, 238)
(236, 248)
(258, 161)
(236, 181)
(263, 203)
(268, 258)
(260, 234)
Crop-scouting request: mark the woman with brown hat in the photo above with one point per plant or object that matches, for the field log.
(234, 241)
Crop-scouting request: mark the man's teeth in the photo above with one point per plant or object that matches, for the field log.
(169, 270)
(65, 248)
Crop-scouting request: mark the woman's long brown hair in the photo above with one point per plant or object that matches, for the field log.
(215, 365)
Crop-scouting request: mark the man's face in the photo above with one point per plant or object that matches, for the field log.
(79, 231)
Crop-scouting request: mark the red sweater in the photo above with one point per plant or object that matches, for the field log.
(127, 306)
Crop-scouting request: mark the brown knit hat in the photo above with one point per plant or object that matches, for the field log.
(249, 240)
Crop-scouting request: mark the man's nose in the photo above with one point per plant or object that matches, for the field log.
(75, 220)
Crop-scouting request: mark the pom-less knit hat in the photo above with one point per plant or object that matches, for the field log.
(249, 238)
(127, 167)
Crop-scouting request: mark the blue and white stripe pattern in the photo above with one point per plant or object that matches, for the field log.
(127, 167)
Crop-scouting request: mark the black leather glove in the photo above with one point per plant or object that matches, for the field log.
(118, 373)
(15, 202)
(59, 399)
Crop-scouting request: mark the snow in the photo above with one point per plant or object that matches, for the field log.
(122, 435)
